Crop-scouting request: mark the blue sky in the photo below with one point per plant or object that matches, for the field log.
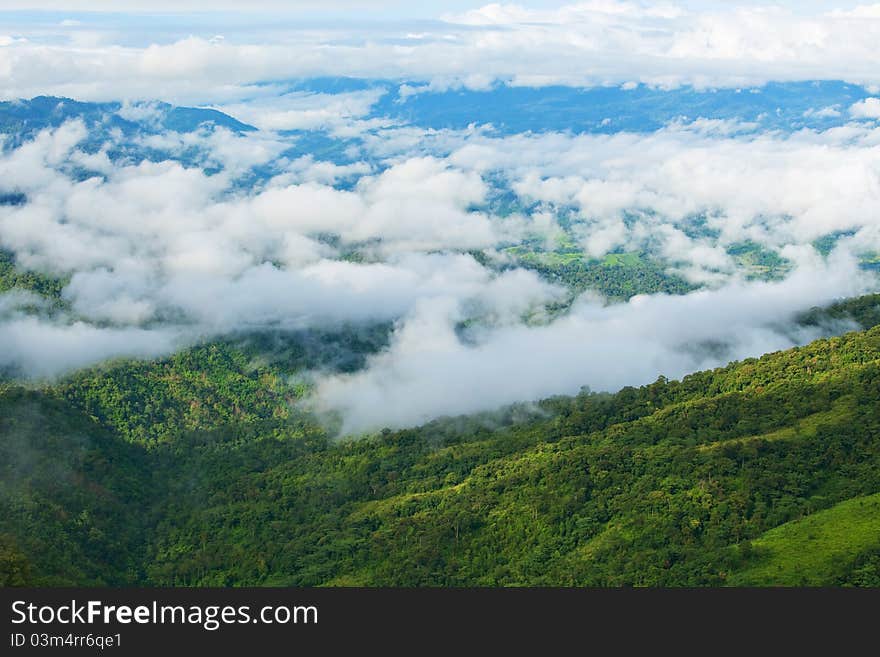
(387, 9)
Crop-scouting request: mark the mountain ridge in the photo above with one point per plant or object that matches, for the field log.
(667, 484)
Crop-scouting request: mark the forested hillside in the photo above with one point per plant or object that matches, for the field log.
(202, 469)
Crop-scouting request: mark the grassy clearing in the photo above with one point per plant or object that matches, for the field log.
(622, 260)
(812, 550)
(804, 428)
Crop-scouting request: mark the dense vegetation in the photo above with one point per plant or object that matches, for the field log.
(15, 278)
(616, 276)
(203, 469)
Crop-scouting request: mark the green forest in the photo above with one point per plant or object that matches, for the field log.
(202, 469)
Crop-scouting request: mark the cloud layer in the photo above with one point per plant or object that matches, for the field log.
(428, 372)
(217, 231)
(590, 43)
(160, 254)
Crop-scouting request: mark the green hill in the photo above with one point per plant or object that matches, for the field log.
(817, 549)
(201, 470)
(72, 496)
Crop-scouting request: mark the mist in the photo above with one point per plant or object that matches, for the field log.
(428, 372)
(164, 237)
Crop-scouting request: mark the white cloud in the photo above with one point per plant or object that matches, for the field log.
(305, 110)
(859, 12)
(770, 188)
(160, 254)
(590, 43)
(42, 349)
(830, 112)
(307, 169)
(157, 243)
(143, 112)
(508, 14)
(427, 372)
(866, 109)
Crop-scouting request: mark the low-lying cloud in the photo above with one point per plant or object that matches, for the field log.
(428, 372)
(160, 254)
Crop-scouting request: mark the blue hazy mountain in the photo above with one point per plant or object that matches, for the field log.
(782, 106)
(118, 128)
(510, 109)
(21, 119)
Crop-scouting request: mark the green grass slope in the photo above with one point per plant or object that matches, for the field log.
(815, 550)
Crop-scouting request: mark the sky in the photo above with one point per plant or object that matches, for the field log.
(389, 8)
(204, 58)
(220, 231)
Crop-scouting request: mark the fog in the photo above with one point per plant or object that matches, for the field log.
(157, 255)
(428, 372)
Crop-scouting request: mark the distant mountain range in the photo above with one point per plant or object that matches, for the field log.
(22, 118)
(509, 109)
